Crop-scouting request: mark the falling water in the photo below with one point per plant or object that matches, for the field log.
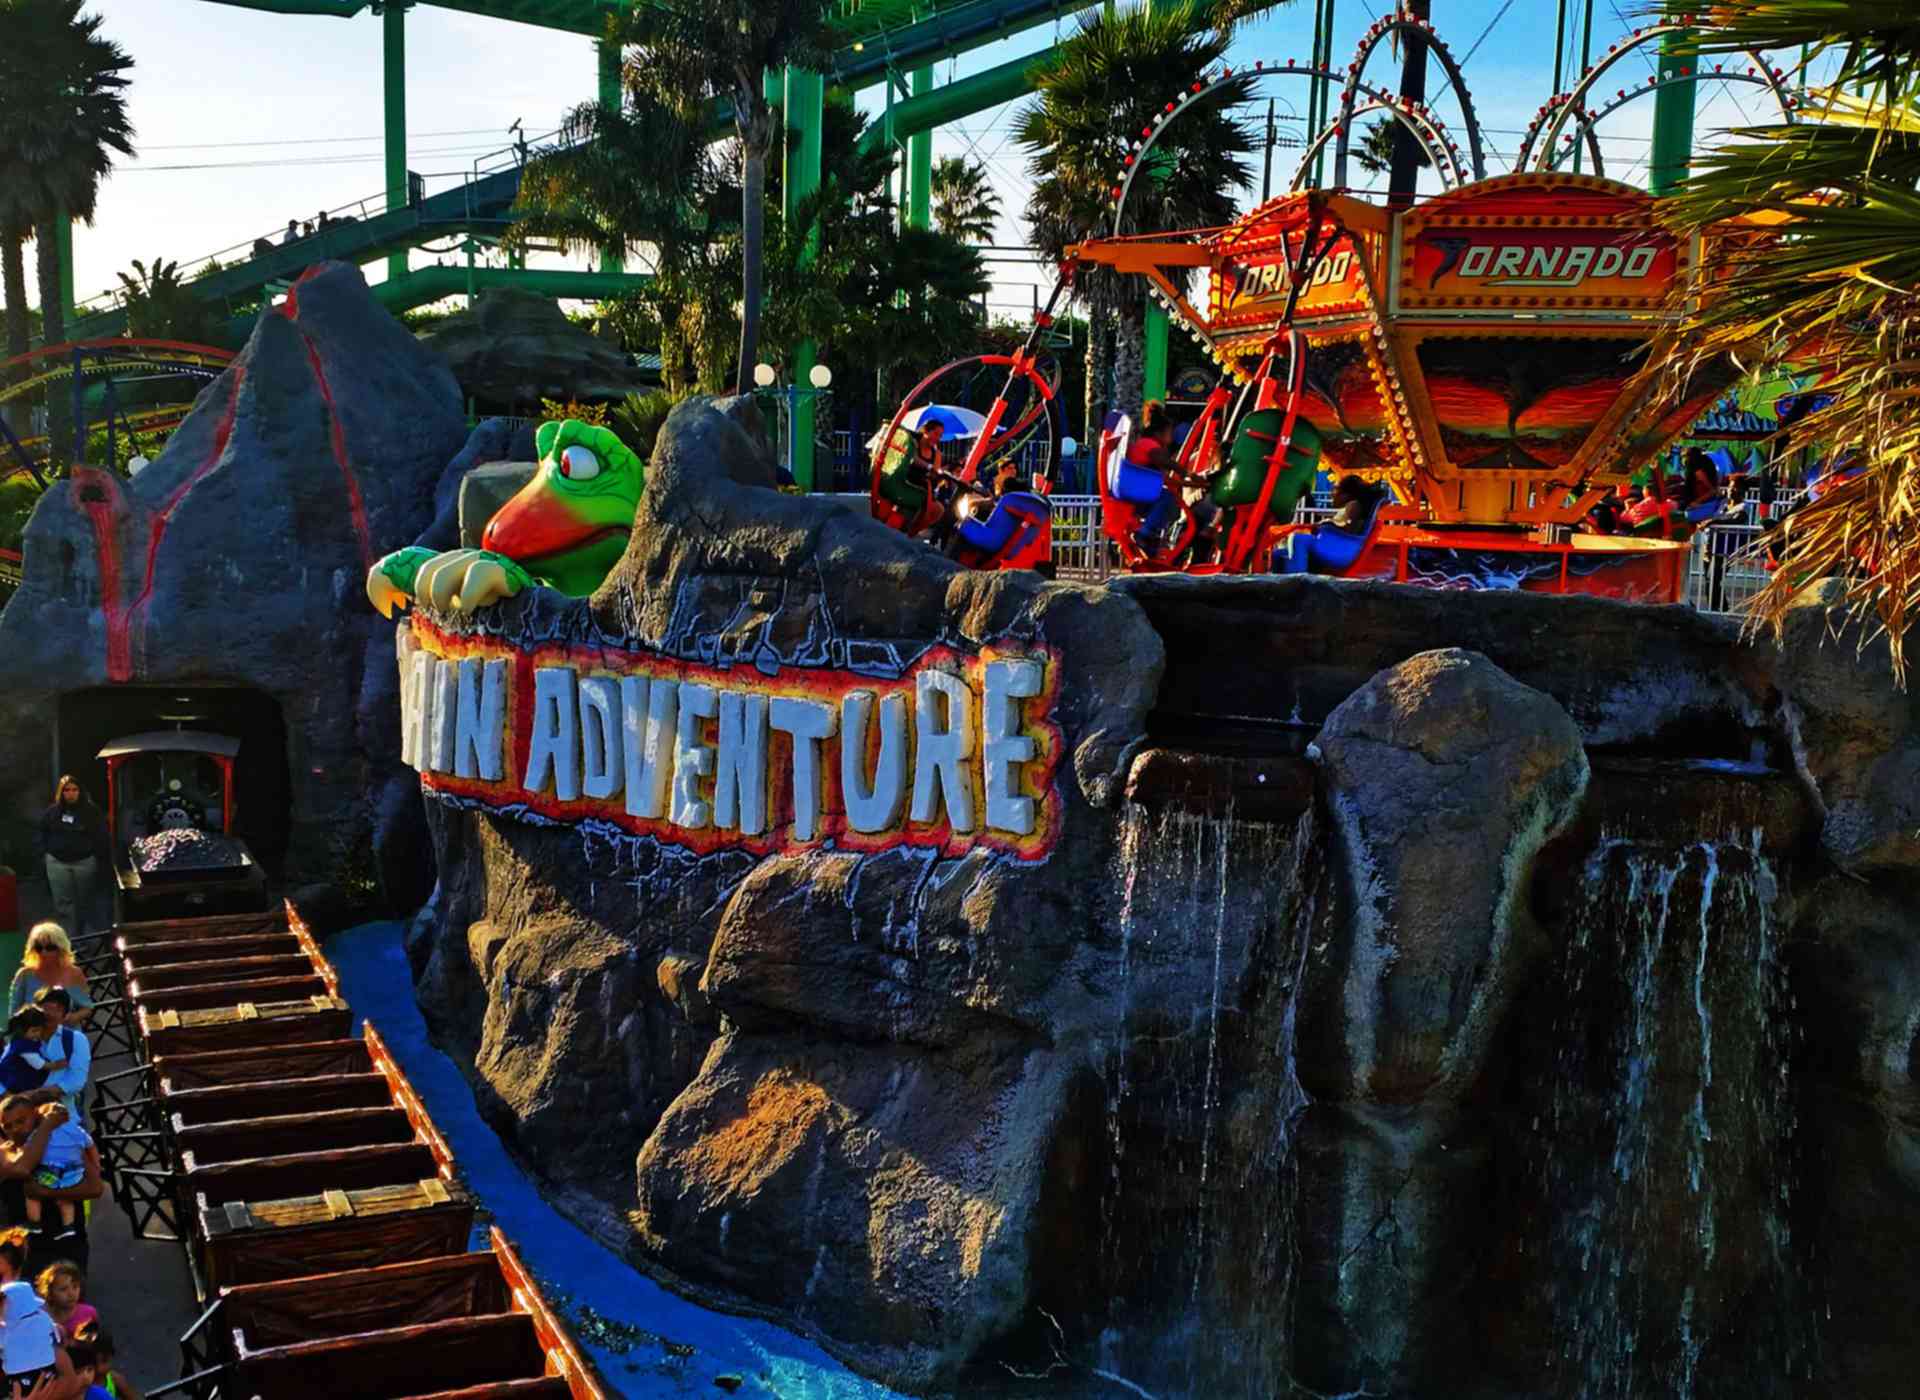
(1201, 1101)
(1666, 1152)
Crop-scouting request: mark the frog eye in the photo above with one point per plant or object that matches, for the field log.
(579, 463)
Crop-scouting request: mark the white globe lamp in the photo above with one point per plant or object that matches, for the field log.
(763, 375)
(820, 377)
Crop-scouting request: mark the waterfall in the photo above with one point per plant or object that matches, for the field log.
(1201, 1101)
(1666, 1165)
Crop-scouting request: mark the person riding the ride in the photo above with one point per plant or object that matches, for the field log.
(1336, 544)
(1152, 449)
(1005, 476)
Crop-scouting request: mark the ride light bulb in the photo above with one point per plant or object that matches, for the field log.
(820, 376)
(763, 375)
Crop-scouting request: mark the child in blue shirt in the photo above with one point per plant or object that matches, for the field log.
(25, 1064)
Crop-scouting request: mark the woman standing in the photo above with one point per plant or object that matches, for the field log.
(72, 840)
(48, 962)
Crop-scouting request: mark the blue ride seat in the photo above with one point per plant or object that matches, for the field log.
(1127, 481)
(991, 535)
(1329, 549)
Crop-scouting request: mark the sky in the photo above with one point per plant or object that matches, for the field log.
(244, 120)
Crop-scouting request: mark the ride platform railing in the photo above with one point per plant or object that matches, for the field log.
(1726, 561)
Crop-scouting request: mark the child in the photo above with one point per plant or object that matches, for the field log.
(24, 1065)
(62, 1165)
(108, 1383)
(29, 1344)
(60, 1285)
(85, 1359)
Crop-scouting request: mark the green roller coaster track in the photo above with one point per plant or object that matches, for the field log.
(891, 41)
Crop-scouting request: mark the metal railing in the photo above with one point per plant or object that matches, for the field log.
(361, 210)
(1726, 563)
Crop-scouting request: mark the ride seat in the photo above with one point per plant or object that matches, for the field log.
(896, 487)
(991, 535)
(1127, 480)
(1240, 481)
(1330, 549)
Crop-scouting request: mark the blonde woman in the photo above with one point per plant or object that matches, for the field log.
(48, 962)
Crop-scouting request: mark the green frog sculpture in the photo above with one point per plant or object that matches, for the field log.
(565, 529)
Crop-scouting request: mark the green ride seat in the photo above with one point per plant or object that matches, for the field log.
(1239, 483)
(896, 487)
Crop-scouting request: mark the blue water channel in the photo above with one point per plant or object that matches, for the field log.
(645, 1340)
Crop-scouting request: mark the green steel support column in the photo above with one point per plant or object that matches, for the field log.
(805, 101)
(1153, 348)
(63, 244)
(610, 96)
(1672, 119)
(394, 50)
(920, 160)
(1320, 95)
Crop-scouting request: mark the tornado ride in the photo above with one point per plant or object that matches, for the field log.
(1476, 355)
(1479, 352)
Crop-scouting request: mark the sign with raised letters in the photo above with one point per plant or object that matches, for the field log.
(959, 751)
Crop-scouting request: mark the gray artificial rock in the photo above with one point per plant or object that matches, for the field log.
(515, 348)
(1855, 732)
(485, 488)
(237, 558)
(1444, 778)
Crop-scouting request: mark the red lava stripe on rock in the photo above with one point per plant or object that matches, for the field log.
(356, 503)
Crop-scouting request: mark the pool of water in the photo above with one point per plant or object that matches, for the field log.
(645, 1340)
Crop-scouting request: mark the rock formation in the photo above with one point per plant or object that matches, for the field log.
(515, 348)
(1543, 1028)
(235, 559)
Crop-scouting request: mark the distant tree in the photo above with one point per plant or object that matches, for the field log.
(965, 204)
(1104, 85)
(1375, 152)
(160, 307)
(63, 118)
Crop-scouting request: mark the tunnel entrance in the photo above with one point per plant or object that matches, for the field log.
(89, 719)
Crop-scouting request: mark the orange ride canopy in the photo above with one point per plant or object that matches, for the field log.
(1482, 348)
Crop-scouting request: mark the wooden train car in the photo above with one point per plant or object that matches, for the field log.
(466, 1324)
(319, 1206)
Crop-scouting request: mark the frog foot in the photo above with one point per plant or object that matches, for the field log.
(390, 581)
(460, 580)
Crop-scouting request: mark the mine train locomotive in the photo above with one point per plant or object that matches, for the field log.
(170, 812)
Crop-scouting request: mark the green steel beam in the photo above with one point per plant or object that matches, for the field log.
(394, 58)
(919, 202)
(957, 101)
(430, 284)
(1672, 118)
(805, 113)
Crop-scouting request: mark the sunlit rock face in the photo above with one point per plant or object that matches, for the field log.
(1382, 993)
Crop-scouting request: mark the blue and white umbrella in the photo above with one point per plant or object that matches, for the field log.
(959, 423)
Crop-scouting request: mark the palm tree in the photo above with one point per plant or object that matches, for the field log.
(965, 204)
(683, 56)
(1836, 296)
(63, 117)
(1375, 152)
(1104, 86)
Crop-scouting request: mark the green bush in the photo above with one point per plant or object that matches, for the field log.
(638, 418)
